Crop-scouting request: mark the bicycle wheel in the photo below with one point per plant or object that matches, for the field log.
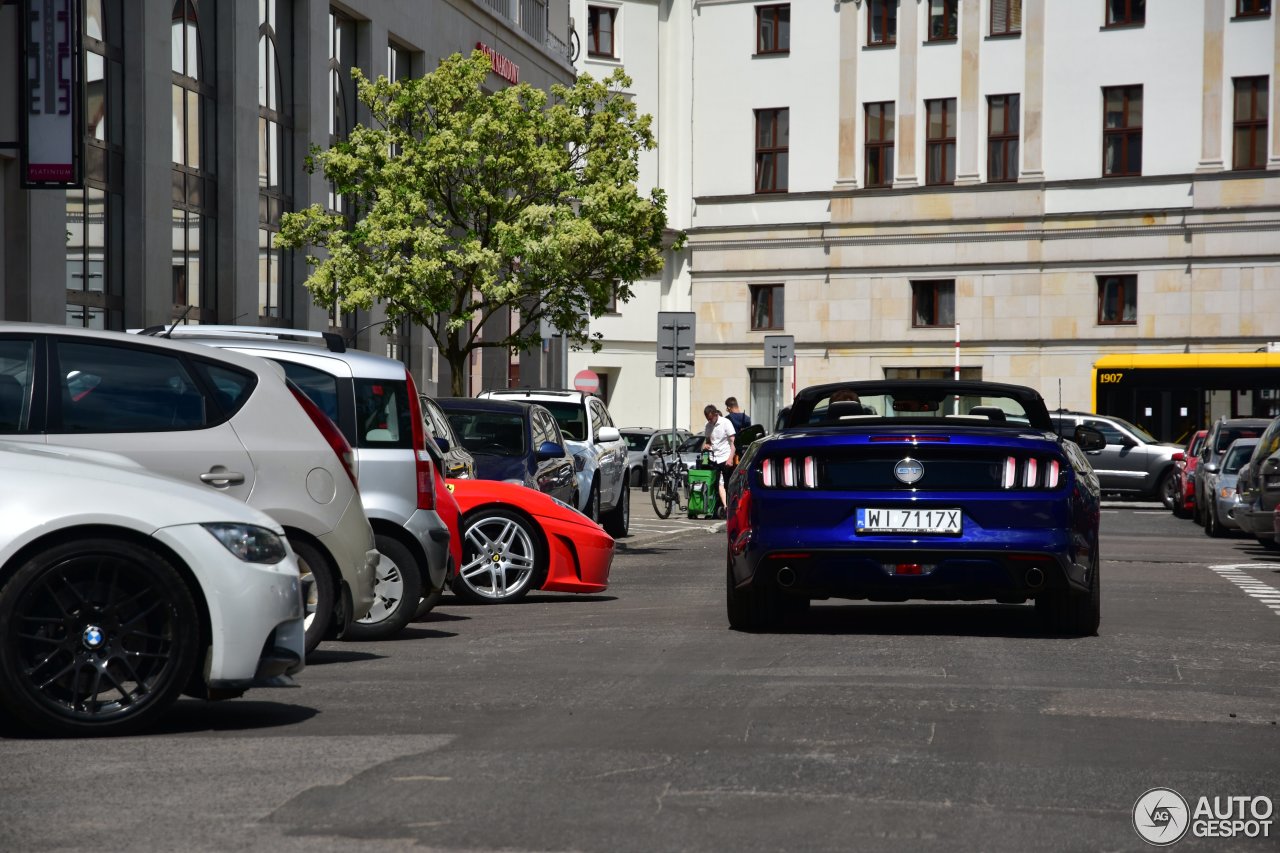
(660, 494)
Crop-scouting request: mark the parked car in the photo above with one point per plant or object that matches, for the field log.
(599, 453)
(1220, 485)
(221, 420)
(373, 402)
(515, 443)
(1259, 487)
(1133, 462)
(458, 462)
(1222, 433)
(120, 589)
(1184, 478)
(643, 443)
(516, 540)
(916, 502)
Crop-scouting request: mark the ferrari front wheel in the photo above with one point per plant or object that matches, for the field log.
(503, 557)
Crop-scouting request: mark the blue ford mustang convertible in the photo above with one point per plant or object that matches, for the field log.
(915, 489)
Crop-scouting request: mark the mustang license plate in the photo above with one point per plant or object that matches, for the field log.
(870, 520)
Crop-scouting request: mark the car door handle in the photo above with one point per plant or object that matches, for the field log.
(222, 478)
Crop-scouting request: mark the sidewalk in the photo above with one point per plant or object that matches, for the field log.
(647, 528)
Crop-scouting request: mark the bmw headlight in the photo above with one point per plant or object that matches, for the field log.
(248, 542)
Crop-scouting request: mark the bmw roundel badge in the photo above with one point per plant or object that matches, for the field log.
(908, 470)
(93, 637)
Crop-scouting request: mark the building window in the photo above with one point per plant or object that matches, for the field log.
(342, 98)
(1249, 128)
(1126, 13)
(772, 139)
(773, 29)
(943, 19)
(600, 28)
(940, 143)
(272, 146)
(766, 306)
(933, 303)
(1122, 131)
(879, 144)
(1253, 8)
(193, 223)
(882, 22)
(1117, 300)
(1002, 138)
(1006, 17)
(95, 237)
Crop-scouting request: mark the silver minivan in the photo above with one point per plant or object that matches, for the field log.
(222, 420)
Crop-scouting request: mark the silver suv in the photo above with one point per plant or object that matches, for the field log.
(598, 449)
(373, 401)
(1133, 463)
(221, 420)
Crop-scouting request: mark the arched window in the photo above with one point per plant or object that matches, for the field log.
(194, 189)
(273, 129)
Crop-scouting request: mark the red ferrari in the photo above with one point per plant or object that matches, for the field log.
(516, 539)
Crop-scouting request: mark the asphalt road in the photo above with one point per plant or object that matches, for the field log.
(636, 721)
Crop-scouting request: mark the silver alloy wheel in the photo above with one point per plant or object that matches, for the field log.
(310, 595)
(388, 592)
(500, 557)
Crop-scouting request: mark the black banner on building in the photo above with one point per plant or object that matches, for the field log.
(52, 101)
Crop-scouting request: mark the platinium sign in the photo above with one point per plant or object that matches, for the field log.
(52, 95)
(502, 66)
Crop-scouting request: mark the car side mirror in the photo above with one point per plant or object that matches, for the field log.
(1089, 438)
(549, 450)
(443, 444)
(1179, 458)
(1271, 466)
(608, 434)
(1211, 467)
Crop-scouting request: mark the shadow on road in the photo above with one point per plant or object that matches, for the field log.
(539, 598)
(233, 715)
(952, 620)
(196, 715)
(320, 657)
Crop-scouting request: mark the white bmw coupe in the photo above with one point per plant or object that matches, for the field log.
(120, 589)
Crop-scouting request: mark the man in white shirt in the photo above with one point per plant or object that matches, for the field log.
(718, 438)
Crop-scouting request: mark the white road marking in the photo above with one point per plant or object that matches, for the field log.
(1251, 586)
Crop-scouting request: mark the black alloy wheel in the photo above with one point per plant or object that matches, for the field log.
(97, 637)
(617, 521)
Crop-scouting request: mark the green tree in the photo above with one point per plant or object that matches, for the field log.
(461, 203)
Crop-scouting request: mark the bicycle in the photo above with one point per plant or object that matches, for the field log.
(670, 483)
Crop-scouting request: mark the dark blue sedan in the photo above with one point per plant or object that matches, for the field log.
(917, 489)
(515, 443)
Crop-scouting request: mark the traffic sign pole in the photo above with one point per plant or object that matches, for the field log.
(675, 338)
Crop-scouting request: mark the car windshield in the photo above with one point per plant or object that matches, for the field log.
(636, 440)
(1137, 430)
(492, 433)
(1237, 456)
(843, 408)
(570, 416)
(1197, 441)
(1230, 434)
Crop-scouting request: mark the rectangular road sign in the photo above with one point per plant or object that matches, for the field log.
(674, 354)
(779, 350)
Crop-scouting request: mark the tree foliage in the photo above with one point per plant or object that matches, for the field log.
(460, 203)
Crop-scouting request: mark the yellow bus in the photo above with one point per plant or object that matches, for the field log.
(1170, 394)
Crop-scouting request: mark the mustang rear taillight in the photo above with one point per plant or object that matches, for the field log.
(790, 472)
(1030, 473)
